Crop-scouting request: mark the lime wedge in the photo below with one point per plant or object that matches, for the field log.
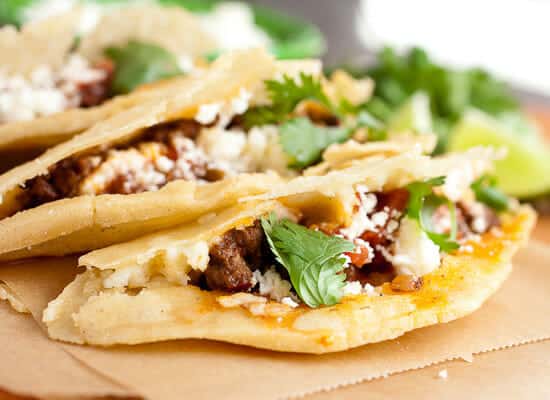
(525, 172)
(413, 115)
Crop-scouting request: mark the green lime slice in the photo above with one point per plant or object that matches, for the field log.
(413, 115)
(525, 172)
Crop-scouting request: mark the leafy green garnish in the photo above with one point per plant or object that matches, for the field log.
(487, 193)
(313, 260)
(285, 96)
(138, 63)
(304, 142)
(288, 93)
(12, 11)
(376, 127)
(451, 91)
(421, 206)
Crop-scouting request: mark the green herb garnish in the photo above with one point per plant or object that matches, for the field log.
(138, 63)
(305, 142)
(421, 207)
(285, 96)
(487, 193)
(376, 128)
(313, 260)
(451, 91)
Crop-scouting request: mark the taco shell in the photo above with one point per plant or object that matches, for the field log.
(91, 311)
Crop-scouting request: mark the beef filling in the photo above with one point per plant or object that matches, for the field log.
(172, 141)
(240, 252)
(235, 257)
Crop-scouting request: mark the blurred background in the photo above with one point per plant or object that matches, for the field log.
(508, 38)
(472, 72)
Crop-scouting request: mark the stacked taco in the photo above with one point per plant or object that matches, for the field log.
(56, 82)
(246, 114)
(251, 203)
(316, 264)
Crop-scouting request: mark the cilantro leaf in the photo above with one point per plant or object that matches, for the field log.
(418, 192)
(288, 93)
(138, 63)
(313, 260)
(421, 207)
(285, 96)
(304, 142)
(487, 193)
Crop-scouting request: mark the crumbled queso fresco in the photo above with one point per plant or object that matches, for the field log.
(45, 92)
(234, 149)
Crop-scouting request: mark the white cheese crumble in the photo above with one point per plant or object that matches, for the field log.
(370, 290)
(240, 103)
(359, 224)
(361, 245)
(380, 218)
(264, 151)
(45, 92)
(457, 182)
(289, 302)
(236, 151)
(355, 288)
(272, 285)
(207, 113)
(369, 201)
(23, 100)
(415, 254)
(232, 26)
(443, 374)
(186, 63)
(352, 288)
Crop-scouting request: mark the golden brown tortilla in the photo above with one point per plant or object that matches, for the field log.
(86, 312)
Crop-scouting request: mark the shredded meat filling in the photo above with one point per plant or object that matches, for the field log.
(163, 154)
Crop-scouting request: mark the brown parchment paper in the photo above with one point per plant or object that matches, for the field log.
(510, 374)
(200, 369)
(31, 365)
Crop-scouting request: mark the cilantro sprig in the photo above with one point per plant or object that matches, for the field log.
(421, 207)
(137, 63)
(313, 260)
(304, 142)
(487, 193)
(285, 94)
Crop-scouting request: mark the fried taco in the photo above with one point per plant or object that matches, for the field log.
(54, 86)
(246, 114)
(317, 264)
